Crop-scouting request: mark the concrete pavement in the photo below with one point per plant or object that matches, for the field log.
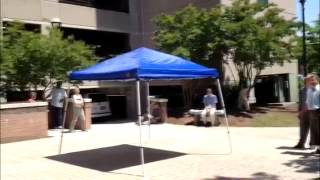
(110, 151)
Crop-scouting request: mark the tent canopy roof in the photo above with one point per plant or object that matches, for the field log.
(144, 64)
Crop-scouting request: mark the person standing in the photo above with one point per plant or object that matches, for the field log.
(58, 96)
(209, 100)
(303, 115)
(313, 110)
(78, 112)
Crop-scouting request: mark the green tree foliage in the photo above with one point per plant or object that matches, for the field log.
(192, 33)
(30, 59)
(253, 35)
(312, 46)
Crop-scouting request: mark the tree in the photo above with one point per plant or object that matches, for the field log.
(193, 34)
(312, 45)
(253, 35)
(259, 37)
(29, 59)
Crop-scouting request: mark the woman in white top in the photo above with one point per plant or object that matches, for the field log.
(78, 112)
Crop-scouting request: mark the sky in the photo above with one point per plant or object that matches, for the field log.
(312, 10)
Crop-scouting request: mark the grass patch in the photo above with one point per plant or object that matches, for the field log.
(275, 119)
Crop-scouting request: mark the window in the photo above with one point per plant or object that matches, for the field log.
(107, 44)
(28, 27)
(113, 5)
(263, 1)
(98, 97)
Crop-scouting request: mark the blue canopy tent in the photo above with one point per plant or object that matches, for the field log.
(145, 64)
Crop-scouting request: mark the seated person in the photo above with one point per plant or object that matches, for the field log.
(209, 100)
(32, 97)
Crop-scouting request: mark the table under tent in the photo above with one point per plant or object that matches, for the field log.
(145, 64)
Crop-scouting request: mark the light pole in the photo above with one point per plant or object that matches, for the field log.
(55, 23)
(304, 51)
(1, 22)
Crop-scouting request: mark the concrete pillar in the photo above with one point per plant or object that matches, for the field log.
(131, 102)
(144, 100)
(45, 29)
(136, 39)
(293, 88)
(281, 88)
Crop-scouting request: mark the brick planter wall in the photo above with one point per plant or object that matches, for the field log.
(23, 123)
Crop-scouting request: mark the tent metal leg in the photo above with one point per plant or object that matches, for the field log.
(225, 113)
(148, 109)
(66, 102)
(140, 124)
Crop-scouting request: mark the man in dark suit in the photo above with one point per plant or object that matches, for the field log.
(303, 116)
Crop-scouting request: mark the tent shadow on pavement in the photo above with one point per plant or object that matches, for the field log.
(115, 157)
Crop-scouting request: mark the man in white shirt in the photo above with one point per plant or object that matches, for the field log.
(58, 96)
(209, 100)
(313, 110)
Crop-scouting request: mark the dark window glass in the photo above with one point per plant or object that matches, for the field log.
(106, 44)
(263, 1)
(98, 97)
(28, 27)
(113, 5)
(33, 27)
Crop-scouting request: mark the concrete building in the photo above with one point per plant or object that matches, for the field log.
(116, 26)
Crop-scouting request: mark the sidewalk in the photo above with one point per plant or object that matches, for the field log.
(110, 151)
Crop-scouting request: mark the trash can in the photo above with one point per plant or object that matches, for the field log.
(163, 107)
(87, 114)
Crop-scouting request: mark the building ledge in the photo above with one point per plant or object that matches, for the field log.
(23, 105)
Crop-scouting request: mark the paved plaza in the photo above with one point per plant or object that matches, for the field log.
(110, 151)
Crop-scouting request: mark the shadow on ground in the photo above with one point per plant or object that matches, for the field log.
(114, 157)
(249, 114)
(258, 175)
(286, 148)
(306, 162)
(108, 120)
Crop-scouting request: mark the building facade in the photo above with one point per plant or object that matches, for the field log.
(116, 26)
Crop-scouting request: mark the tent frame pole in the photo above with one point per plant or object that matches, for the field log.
(148, 108)
(225, 112)
(140, 124)
(65, 108)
